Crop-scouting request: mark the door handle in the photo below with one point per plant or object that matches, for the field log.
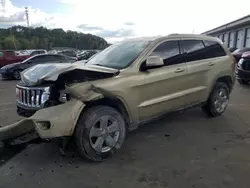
(179, 70)
(210, 64)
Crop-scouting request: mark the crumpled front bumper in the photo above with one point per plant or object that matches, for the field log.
(52, 122)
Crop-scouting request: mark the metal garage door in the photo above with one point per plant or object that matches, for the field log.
(231, 39)
(240, 39)
(226, 39)
(248, 38)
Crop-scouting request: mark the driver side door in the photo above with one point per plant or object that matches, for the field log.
(165, 88)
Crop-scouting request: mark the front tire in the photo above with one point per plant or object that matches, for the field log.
(218, 100)
(17, 75)
(100, 132)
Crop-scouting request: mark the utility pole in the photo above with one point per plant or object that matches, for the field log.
(27, 16)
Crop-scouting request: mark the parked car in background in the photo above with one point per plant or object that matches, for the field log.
(86, 54)
(68, 53)
(97, 103)
(36, 52)
(232, 49)
(13, 71)
(9, 56)
(243, 69)
(238, 53)
(86, 60)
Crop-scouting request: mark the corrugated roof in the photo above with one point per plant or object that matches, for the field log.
(235, 23)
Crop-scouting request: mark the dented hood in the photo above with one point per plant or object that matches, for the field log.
(50, 72)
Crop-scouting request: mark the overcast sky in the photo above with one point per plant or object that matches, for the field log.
(118, 19)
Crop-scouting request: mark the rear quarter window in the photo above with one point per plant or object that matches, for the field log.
(213, 49)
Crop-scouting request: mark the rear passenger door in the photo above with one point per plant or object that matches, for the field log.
(201, 59)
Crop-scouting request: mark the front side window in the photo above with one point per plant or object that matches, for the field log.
(169, 51)
(42, 59)
(119, 55)
(37, 59)
(194, 50)
(1, 54)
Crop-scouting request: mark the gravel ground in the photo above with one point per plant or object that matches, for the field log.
(181, 150)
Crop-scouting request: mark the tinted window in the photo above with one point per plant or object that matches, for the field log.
(58, 57)
(213, 49)
(193, 49)
(43, 59)
(169, 51)
(1, 54)
(63, 59)
(37, 59)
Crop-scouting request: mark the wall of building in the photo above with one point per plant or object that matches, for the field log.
(235, 34)
(238, 38)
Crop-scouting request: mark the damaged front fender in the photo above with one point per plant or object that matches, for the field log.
(55, 121)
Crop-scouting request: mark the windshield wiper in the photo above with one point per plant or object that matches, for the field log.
(99, 65)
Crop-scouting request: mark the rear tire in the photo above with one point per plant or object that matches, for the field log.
(99, 133)
(217, 101)
(242, 82)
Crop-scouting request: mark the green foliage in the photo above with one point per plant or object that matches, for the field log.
(19, 37)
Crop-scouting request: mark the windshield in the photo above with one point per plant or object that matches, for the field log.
(119, 55)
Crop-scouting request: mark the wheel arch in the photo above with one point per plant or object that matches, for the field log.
(227, 79)
(116, 103)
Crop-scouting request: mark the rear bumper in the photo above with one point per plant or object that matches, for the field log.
(242, 74)
(51, 122)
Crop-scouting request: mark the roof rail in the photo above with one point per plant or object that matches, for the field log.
(173, 34)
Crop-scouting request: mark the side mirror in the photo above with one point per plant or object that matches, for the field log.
(154, 61)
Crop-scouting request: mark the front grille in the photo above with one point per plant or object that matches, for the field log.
(246, 65)
(31, 96)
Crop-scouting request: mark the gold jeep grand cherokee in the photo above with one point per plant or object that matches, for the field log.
(126, 84)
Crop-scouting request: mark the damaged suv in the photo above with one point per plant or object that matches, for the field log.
(126, 84)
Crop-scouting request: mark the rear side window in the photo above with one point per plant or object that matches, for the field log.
(60, 57)
(213, 49)
(169, 51)
(194, 50)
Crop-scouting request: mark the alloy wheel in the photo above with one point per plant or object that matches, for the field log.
(104, 134)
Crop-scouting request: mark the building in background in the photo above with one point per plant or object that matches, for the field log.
(233, 34)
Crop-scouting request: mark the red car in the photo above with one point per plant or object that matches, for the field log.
(238, 53)
(9, 56)
(243, 69)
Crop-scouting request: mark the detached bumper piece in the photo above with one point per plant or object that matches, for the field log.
(51, 122)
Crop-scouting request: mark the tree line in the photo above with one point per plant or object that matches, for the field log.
(19, 37)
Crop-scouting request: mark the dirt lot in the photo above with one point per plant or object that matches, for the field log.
(182, 150)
